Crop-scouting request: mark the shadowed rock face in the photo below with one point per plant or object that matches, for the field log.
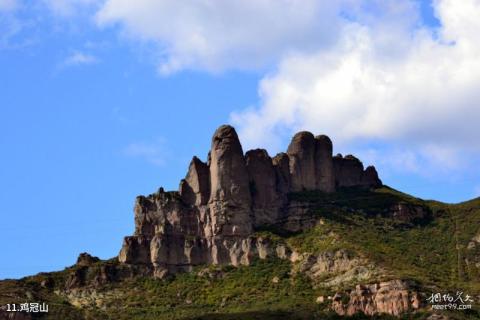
(301, 153)
(348, 172)
(282, 173)
(195, 188)
(263, 187)
(324, 174)
(212, 217)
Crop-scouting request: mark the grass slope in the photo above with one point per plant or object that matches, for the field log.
(432, 251)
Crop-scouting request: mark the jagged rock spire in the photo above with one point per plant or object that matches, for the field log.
(211, 219)
(301, 153)
(195, 188)
(228, 172)
(324, 174)
(230, 199)
(263, 186)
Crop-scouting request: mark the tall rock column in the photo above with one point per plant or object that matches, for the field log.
(324, 173)
(263, 187)
(301, 153)
(230, 200)
(281, 165)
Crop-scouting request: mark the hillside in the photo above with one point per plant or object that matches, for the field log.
(306, 241)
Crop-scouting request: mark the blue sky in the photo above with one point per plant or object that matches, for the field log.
(101, 101)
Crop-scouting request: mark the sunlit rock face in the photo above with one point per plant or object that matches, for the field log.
(221, 202)
(230, 199)
(393, 297)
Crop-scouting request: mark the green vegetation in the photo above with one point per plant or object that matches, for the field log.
(432, 250)
(232, 290)
(424, 250)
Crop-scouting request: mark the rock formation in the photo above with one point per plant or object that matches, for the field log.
(348, 172)
(393, 297)
(212, 217)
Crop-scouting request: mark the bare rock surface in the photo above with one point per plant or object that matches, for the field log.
(230, 199)
(335, 268)
(324, 174)
(393, 297)
(195, 188)
(85, 259)
(408, 213)
(263, 187)
(212, 218)
(349, 172)
(301, 153)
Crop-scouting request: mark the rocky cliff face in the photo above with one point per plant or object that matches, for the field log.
(219, 204)
(391, 297)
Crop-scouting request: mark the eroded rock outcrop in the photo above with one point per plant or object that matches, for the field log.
(336, 268)
(324, 173)
(301, 154)
(263, 187)
(393, 297)
(212, 217)
(195, 188)
(230, 199)
(408, 213)
(349, 172)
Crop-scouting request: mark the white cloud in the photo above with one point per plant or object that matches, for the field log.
(360, 71)
(8, 5)
(357, 70)
(218, 35)
(67, 8)
(79, 58)
(385, 80)
(152, 152)
(9, 28)
(426, 162)
(15, 31)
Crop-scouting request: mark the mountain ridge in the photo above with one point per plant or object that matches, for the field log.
(303, 235)
(220, 203)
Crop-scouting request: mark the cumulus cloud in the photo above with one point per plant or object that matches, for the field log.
(383, 81)
(152, 152)
(219, 35)
(79, 58)
(360, 71)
